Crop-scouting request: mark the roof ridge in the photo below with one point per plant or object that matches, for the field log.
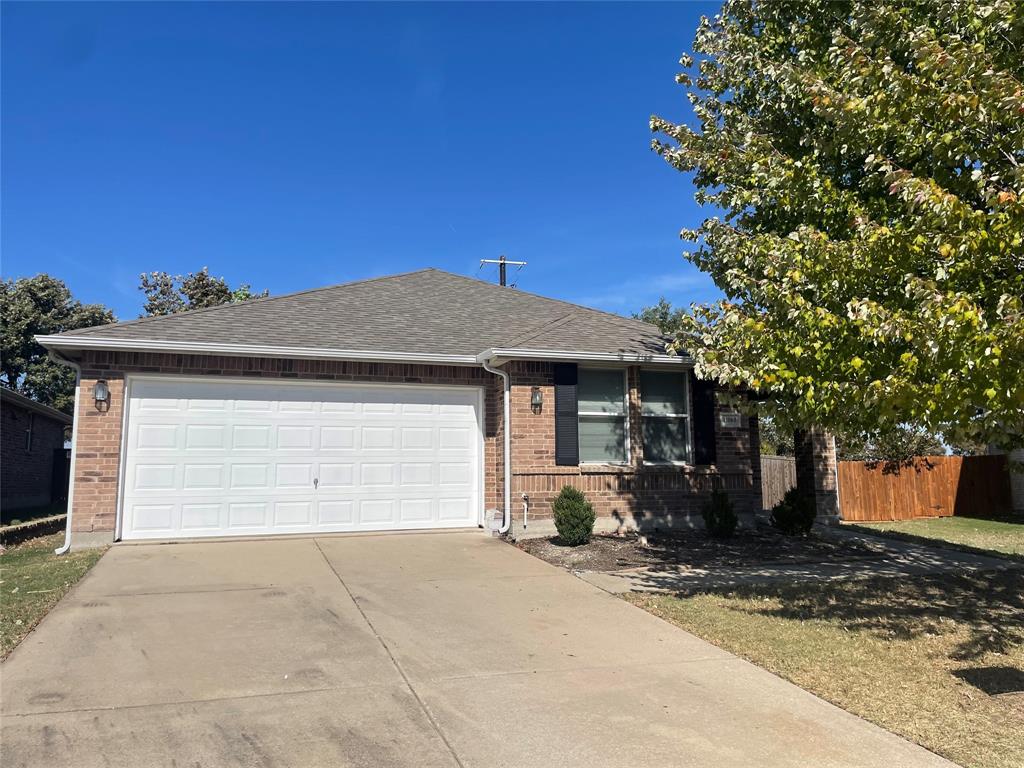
(248, 302)
(576, 307)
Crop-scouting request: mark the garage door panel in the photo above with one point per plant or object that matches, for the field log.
(240, 458)
(337, 438)
(292, 437)
(250, 437)
(373, 512)
(293, 513)
(294, 476)
(339, 512)
(336, 475)
(251, 514)
(155, 437)
(249, 476)
(154, 517)
(201, 517)
(454, 508)
(203, 477)
(415, 474)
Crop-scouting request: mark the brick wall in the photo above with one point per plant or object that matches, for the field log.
(815, 454)
(25, 475)
(625, 494)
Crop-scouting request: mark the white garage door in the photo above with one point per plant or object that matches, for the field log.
(234, 458)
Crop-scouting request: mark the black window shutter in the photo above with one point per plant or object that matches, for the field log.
(567, 438)
(703, 420)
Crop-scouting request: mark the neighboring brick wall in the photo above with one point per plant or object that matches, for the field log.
(624, 493)
(26, 476)
(98, 446)
(627, 494)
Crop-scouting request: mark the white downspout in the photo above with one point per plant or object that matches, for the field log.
(74, 450)
(506, 520)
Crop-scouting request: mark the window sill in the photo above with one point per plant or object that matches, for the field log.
(598, 467)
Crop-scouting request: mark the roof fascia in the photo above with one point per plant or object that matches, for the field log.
(82, 343)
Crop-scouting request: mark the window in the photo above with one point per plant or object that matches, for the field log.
(602, 416)
(666, 417)
(28, 431)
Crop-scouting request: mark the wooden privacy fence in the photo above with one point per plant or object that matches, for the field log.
(929, 486)
(778, 475)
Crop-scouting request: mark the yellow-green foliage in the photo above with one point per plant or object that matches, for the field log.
(869, 160)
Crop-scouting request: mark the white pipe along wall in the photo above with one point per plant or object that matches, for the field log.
(506, 520)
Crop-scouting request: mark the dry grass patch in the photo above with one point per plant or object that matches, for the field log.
(936, 659)
(1005, 536)
(32, 581)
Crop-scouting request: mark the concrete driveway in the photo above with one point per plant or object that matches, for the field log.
(394, 650)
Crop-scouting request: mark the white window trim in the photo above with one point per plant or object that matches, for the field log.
(625, 415)
(688, 461)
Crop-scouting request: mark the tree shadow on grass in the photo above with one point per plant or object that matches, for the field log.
(990, 604)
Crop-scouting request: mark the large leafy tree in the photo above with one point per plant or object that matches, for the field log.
(898, 442)
(168, 294)
(868, 158)
(41, 305)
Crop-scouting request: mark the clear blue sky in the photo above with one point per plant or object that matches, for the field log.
(298, 145)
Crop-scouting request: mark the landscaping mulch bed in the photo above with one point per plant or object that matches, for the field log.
(696, 549)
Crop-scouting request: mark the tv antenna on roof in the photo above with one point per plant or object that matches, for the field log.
(502, 263)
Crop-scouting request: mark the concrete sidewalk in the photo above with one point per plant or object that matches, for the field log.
(400, 650)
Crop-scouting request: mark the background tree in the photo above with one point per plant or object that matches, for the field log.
(898, 444)
(664, 315)
(168, 295)
(775, 441)
(868, 158)
(41, 305)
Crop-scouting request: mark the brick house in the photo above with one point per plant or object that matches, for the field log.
(418, 401)
(31, 435)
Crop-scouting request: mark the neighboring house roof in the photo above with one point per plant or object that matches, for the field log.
(427, 315)
(17, 399)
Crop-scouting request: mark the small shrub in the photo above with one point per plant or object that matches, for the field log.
(719, 518)
(794, 515)
(574, 517)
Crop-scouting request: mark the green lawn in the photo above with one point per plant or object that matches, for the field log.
(996, 535)
(32, 580)
(938, 659)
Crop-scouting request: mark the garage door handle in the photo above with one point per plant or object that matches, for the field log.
(316, 482)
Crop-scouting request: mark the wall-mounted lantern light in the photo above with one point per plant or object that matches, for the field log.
(101, 392)
(536, 398)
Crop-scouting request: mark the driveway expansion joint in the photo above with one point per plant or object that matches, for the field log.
(212, 700)
(185, 592)
(394, 661)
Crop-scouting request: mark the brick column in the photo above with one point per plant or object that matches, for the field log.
(816, 469)
(97, 442)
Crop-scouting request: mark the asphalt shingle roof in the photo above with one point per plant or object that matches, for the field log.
(426, 312)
